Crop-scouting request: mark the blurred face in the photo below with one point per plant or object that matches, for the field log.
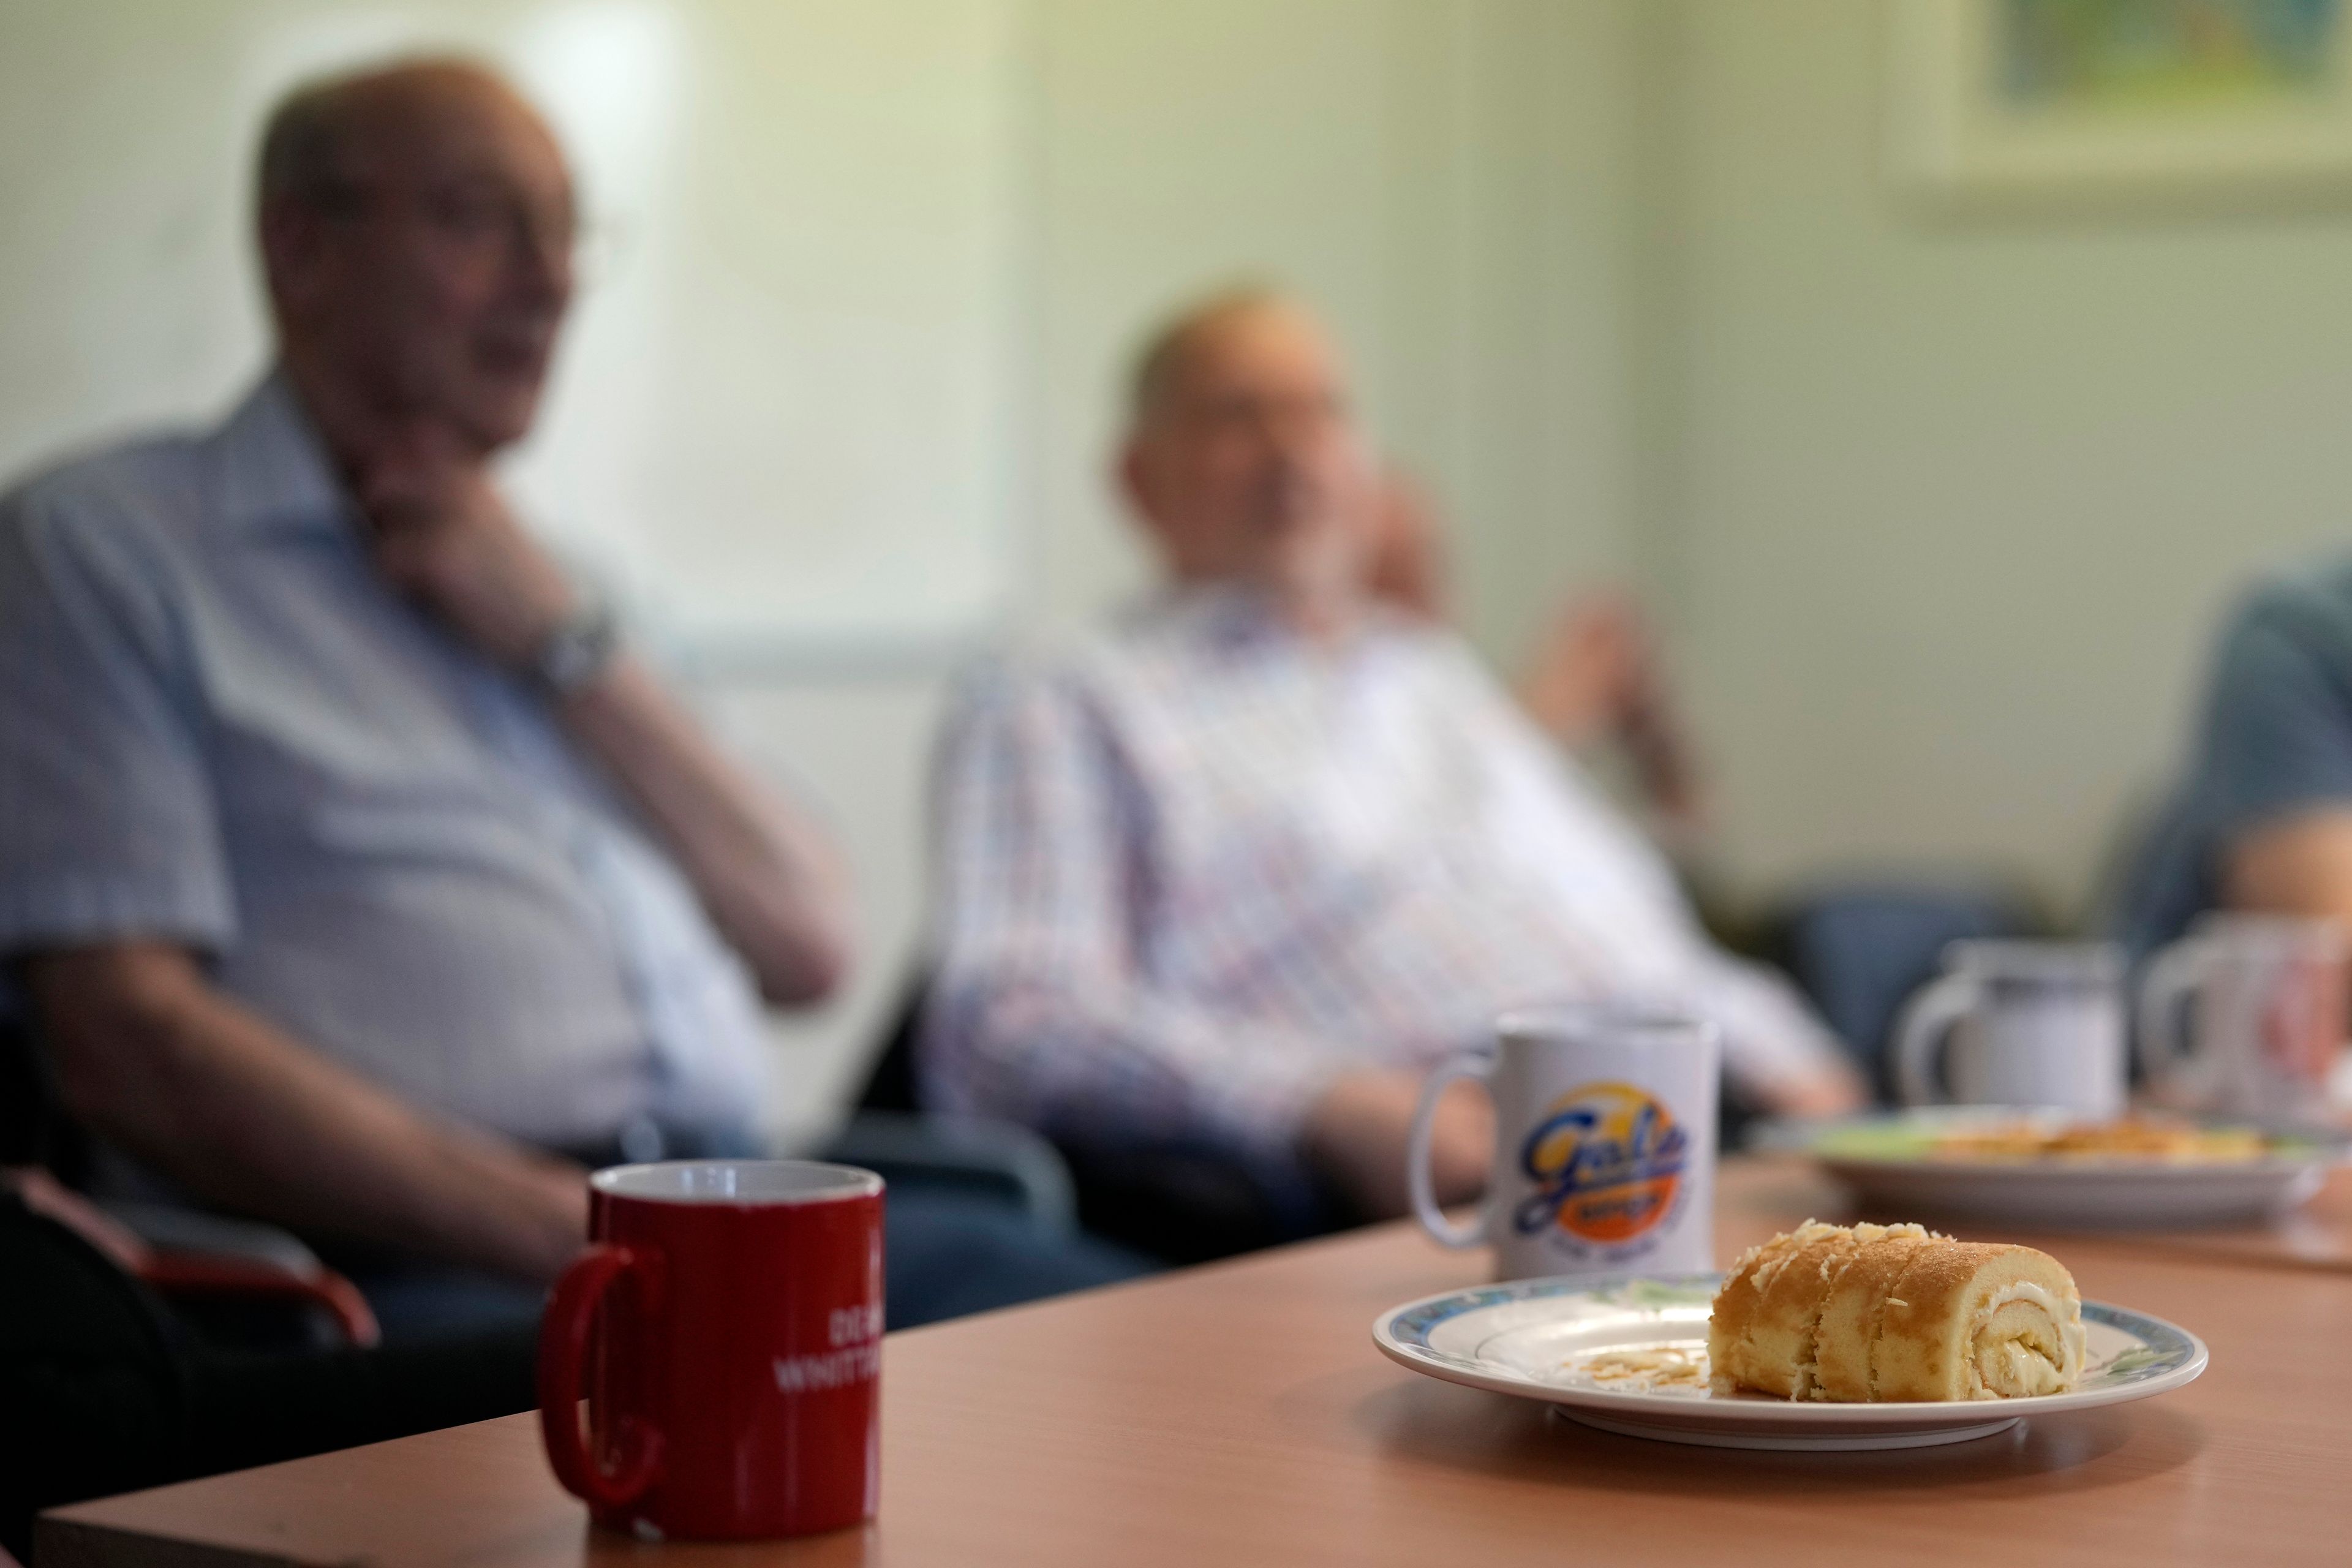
(430, 284)
(1248, 469)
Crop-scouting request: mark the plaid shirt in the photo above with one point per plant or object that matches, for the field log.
(1198, 867)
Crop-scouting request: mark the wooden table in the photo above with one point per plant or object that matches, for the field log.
(1238, 1413)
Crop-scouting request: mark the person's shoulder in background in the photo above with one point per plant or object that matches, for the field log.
(1146, 641)
(2281, 668)
(1015, 694)
(2308, 605)
(1453, 686)
(2273, 737)
(1432, 644)
(158, 478)
(100, 537)
(1021, 664)
(113, 521)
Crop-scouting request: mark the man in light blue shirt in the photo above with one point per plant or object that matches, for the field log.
(354, 874)
(224, 730)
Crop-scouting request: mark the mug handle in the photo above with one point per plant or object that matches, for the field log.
(562, 1350)
(1479, 1064)
(1926, 1024)
(2173, 976)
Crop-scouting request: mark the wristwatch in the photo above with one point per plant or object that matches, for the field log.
(576, 651)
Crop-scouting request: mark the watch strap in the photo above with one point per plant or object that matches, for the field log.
(576, 651)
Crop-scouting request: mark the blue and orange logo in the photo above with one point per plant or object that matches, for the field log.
(1606, 1161)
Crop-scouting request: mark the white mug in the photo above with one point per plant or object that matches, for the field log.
(1604, 1143)
(2268, 994)
(2019, 1023)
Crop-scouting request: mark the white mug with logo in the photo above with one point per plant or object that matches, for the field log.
(1604, 1143)
(2019, 1023)
(2265, 995)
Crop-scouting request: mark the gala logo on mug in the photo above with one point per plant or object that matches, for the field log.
(1607, 1159)
(1604, 1141)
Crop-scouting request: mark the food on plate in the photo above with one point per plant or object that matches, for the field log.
(1883, 1313)
(1851, 1305)
(1761, 1333)
(2167, 1143)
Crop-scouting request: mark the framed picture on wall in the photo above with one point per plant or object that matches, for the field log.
(2197, 102)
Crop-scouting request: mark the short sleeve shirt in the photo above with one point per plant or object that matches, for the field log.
(2275, 739)
(219, 727)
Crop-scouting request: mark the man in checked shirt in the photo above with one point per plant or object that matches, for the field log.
(1231, 875)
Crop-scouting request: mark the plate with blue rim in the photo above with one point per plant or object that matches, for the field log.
(1628, 1356)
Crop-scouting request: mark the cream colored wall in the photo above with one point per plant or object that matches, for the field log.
(1944, 513)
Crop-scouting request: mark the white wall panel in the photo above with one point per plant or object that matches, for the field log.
(787, 406)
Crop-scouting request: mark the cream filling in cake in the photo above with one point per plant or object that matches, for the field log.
(2021, 1355)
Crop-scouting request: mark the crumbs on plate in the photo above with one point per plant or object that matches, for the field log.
(1642, 1368)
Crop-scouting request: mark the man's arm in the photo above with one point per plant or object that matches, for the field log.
(1106, 1058)
(1780, 1057)
(2298, 865)
(1355, 1136)
(1040, 1013)
(149, 1055)
(1595, 676)
(774, 884)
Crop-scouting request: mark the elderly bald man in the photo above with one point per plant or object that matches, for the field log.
(1233, 874)
(358, 875)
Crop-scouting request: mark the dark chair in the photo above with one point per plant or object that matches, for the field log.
(1859, 949)
(105, 1388)
(235, 1280)
(888, 1133)
(143, 1345)
(891, 1085)
(1180, 1204)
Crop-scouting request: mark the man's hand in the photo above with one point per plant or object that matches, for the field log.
(1355, 1137)
(1408, 564)
(2295, 864)
(444, 537)
(1595, 676)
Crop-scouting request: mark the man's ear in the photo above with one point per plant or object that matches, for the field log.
(291, 238)
(1135, 486)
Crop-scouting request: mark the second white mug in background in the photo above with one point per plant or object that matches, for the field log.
(1604, 1143)
(2019, 1023)
(2264, 995)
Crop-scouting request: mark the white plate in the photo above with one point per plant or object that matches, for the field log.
(1532, 1337)
(2062, 1193)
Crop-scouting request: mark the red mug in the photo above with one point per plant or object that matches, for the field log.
(728, 1321)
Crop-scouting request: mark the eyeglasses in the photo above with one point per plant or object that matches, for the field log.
(484, 221)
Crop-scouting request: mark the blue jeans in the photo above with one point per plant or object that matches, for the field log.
(946, 1252)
